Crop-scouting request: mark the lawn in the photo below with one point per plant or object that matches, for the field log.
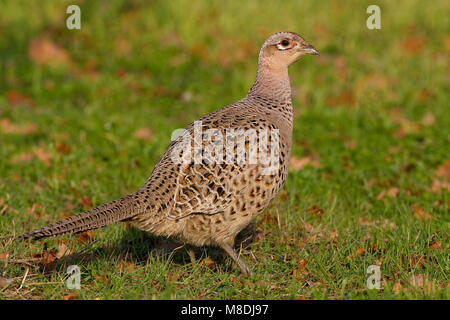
(86, 114)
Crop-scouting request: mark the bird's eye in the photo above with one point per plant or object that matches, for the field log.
(285, 44)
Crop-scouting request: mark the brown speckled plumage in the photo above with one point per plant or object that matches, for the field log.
(210, 203)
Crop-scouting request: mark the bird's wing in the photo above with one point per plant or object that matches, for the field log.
(209, 188)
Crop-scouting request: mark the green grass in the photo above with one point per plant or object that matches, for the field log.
(372, 110)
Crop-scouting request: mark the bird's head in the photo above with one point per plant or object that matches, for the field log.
(284, 48)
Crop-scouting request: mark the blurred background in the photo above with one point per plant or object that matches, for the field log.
(85, 114)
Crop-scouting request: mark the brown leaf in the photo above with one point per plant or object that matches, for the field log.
(42, 50)
(302, 269)
(444, 170)
(397, 287)
(428, 119)
(333, 235)
(3, 255)
(128, 265)
(86, 237)
(144, 134)
(48, 257)
(22, 158)
(360, 252)
(71, 296)
(86, 202)
(392, 192)
(101, 278)
(63, 148)
(15, 97)
(436, 245)
(414, 44)
(297, 163)
(122, 45)
(315, 210)
(208, 262)
(420, 281)
(4, 281)
(6, 126)
(43, 155)
(63, 250)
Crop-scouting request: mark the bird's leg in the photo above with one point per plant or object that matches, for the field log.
(242, 265)
(191, 253)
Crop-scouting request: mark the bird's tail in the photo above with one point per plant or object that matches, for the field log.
(117, 210)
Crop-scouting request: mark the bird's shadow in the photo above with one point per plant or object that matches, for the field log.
(137, 247)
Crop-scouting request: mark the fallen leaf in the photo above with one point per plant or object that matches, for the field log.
(302, 269)
(443, 171)
(43, 156)
(420, 281)
(6, 126)
(63, 148)
(128, 265)
(86, 237)
(63, 250)
(392, 192)
(428, 119)
(101, 278)
(43, 50)
(15, 97)
(315, 210)
(144, 134)
(333, 235)
(71, 296)
(360, 252)
(4, 281)
(397, 287)
(414, 44)
(208, 262)
(436, 245)
(48, 257)
(86, 202)
(297, 163)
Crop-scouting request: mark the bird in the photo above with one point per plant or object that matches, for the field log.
(193, 195)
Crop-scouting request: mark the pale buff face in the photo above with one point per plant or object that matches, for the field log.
(284, 48)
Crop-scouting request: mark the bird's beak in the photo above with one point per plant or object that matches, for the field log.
(309, 49)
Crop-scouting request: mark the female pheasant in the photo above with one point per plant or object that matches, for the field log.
(197, 195)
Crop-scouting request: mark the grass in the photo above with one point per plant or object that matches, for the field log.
(372, 123)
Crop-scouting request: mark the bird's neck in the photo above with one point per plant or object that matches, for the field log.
(271, 83)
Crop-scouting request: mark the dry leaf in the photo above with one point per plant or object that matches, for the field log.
(144, 134)
(5, 281)
(101, 278)
(414, 44)
(63, 250)
(297, 163)
(15, 97)
(436, 245)
(6, 126)
(315, 210)
(392, 192)
(71, 296)
(63, 148)
(360, 252)
(44, 51)
(208, 262)
(420, 281)
(86, 202)
(444, 170)
(428, 119)
(86, 237)
(43, 156)
(397, 287)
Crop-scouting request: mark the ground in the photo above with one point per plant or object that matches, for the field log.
(86, 114)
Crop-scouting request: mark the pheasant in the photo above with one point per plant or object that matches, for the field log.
(193, 195)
